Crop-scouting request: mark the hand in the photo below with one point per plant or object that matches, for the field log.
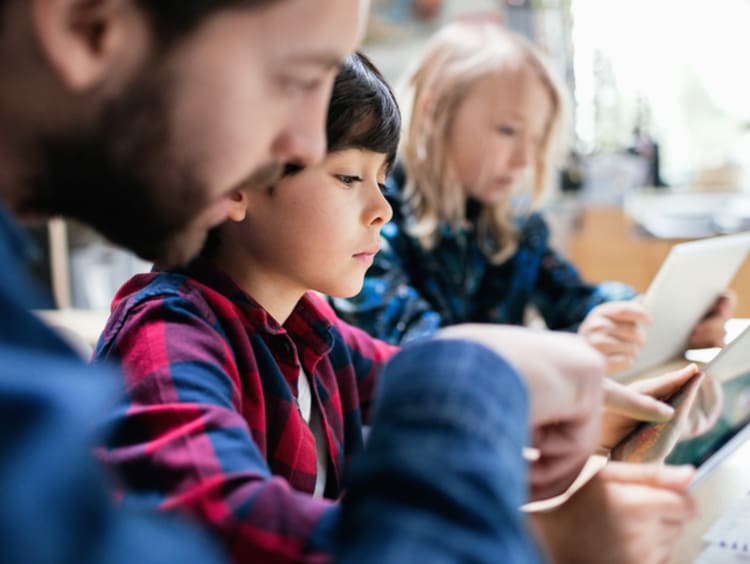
(710, 332)
(613, 328)
(565, 377)
(616, 424)
(627, 513)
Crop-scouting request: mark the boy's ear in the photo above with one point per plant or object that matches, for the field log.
(88, 42)
(238, 207)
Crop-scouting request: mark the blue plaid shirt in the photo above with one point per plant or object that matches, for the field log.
(410, 292)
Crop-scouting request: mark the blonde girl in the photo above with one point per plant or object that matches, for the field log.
(484, 121)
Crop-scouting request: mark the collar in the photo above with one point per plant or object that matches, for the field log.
(309, 322)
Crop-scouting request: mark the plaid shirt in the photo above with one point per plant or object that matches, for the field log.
(210, 423)
(410, 291)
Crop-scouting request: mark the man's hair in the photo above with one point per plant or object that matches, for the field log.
(172, 18)
(363, 112)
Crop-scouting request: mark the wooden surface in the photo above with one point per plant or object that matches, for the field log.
(607, 246)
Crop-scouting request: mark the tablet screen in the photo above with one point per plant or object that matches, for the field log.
(734, 421)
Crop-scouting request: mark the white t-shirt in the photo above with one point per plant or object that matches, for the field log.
(311, 415)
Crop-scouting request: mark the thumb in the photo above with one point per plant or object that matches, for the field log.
(676, 478)
(626, 401)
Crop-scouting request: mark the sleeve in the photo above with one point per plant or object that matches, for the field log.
(389, 307)
(56, 501)
(562, 297)
(443, 461)
(181, 442)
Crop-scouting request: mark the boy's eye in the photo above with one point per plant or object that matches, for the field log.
(506, 130)
(383, 187)
(348, 179)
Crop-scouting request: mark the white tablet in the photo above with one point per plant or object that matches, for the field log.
(687, 284)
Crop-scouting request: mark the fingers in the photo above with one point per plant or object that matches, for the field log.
(676, 478)
(618, 362)
(628, 402)
(610, 344)
(630, 311)
(724, 304)
(665, 385)
(618, 356)
(645, 502)
(550, 477)
(710, 332)
(614, 329)
(619, 344)
(563, 451)
(545, 481)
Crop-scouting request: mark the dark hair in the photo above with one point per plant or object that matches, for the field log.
(174, 18)
(171, 19)
(363, 112)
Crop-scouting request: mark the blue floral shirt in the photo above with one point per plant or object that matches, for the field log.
(410, 292)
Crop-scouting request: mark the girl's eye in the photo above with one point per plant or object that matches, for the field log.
(348, 179)
(383, 187)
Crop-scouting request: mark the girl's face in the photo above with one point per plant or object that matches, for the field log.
(497, 133)
(318, 229)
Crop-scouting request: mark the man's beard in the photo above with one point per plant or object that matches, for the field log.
(119, 177)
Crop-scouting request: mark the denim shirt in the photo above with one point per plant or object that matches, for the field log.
(56, 505)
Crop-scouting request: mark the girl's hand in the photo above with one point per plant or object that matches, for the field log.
(710, 332)
(613, 328)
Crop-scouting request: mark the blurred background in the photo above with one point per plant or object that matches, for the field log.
(659, 146)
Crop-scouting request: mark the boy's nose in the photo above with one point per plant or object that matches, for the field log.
(380, 211)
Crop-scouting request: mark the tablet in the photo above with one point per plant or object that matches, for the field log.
(731, 367)
(658, 442)
(683, 290)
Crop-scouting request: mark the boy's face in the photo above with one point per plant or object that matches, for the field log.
(152, 165)
(506, 118)
(318, 229)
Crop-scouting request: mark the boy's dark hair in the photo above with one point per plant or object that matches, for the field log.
(363, 113)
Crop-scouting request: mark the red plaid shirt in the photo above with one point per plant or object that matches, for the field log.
(210, 423)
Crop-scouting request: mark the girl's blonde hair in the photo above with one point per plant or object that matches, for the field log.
(453, 61)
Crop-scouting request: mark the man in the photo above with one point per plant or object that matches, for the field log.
(139, 117)
(136, 117)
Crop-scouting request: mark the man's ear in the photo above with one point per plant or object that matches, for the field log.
(238, 207)
(88, 41)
